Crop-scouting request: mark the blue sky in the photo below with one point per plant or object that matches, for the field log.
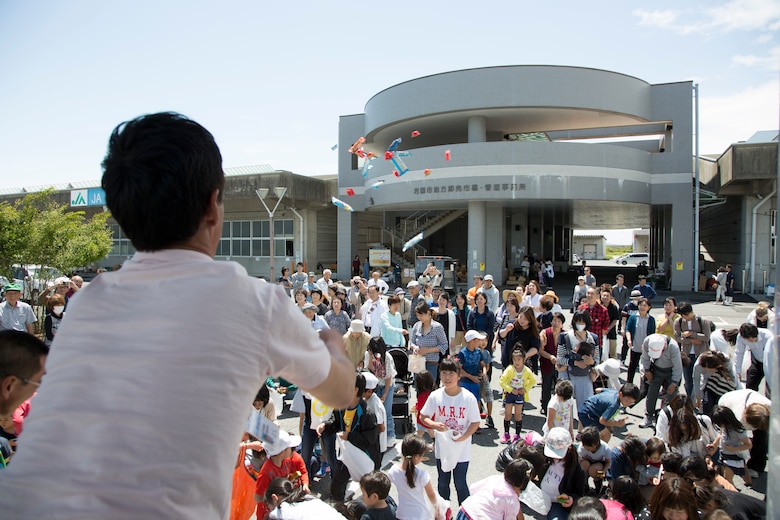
(270, 79)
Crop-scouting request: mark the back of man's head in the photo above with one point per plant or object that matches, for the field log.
(159, 173)
(748, 331)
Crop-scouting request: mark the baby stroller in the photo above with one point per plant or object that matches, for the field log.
(403, 383)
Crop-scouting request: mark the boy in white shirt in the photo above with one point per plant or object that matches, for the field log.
(375, 405)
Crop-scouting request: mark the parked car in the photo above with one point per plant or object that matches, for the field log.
(33, 279)
(632, 259)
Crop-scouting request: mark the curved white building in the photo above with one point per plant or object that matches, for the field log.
(528, 164)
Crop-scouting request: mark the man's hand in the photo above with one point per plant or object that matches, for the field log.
(671, 389)
(649, 376)
(320, 429)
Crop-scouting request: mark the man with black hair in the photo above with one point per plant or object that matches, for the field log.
(756, 341)
(692, 333)
(22, 365)
(164, 365)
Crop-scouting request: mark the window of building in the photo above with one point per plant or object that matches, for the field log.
(773, 236)
(253, 238)
(122, 245)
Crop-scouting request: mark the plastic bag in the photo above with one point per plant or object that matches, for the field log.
(355, 459)
(449, 450)
(440, 510)
(416, 363)
(536, 499)
(278, 401)
(242, 502)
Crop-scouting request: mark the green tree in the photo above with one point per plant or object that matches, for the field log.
(38, 230)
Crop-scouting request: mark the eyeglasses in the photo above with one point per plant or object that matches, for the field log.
(23, 379)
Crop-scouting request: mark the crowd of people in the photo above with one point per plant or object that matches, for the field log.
(141, 399)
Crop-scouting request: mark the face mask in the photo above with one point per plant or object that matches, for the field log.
(580, 327)
(58, 309)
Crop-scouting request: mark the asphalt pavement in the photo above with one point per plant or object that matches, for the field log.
(486, 445)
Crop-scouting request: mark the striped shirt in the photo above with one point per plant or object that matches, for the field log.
(436, 337)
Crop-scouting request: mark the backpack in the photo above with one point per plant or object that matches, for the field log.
(712, 325)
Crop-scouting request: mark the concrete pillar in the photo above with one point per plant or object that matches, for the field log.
(495, 242)
(347, 243)
(477, 129)
(682, 248)
(476, 239)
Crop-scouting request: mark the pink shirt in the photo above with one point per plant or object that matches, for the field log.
(493, 498)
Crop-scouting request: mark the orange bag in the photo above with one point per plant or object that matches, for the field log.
(242, 502)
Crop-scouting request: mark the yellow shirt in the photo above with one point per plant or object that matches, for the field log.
(668, 330)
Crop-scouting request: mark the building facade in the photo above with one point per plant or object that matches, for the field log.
(508, 161)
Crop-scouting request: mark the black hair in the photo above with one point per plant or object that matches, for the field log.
(20, 353)
(748, 331)
(630, 390)
(533, 454)
(424, 382)
(360, 383)
(560, 316)
(445, 295)
(626, 491)
(564, 388)
(159, 174)
(449, 365)
(518, 350)
(655, 445)
(588, 508)
(670, 299)
(634, 448)
(696, 468)
(376, 482)
(590, 436)
(352, 510)
(724, 418)
(518, 473)
(263, 395)
(377, 346)
(581, 316)
(671, 462)
(412, 445)
(585, 349)
(285, 489)
(684, 308)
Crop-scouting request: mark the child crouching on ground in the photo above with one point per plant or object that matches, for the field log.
(375, 487)
(594, 455)
(452, 408)
(497, 496)
(516, 381)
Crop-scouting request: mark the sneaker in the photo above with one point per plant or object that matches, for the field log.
(753, 473)
(489, 422)
(515, 438)
(505, 439)
(648, 422)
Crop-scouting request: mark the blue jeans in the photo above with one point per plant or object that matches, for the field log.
(433, 368)
(308, 440)
(390, 425)
(461, 488)
(557, 512)
(328, 444)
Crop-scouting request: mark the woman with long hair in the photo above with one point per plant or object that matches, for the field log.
(511, 309)
(690, 434)
(381, 364)
(461, 311)
(673, 499)
(563, 480)
(713, 376)
(548, 352)
(524, 329)
(482, 319)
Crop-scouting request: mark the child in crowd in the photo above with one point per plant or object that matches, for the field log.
(600, 409)
(376, 406)
(563, 481)
(413, 483)
(423, 383)
(472, 368)
(626, 500)
(670, 464)
(282, 462)
(516, 381)
(560, 411)
(496, 497)
(734, 444)
(651, 473)
(288, 501)
(451, 408)
(485, 391)
(375, 487)
(627, 458)
(356, 424)
(594, 455)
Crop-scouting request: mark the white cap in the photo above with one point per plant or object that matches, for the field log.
(656, 343)
(371, 380)
(413, 283)
(475, 334)
(488, 277)
(284, 441)
(557, 443)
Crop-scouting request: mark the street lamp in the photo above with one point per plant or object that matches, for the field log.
(279, 194)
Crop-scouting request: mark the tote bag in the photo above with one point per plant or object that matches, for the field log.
(355, 459)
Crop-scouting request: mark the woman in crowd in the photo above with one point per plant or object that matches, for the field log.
(429, 339)
(673, 499)
(461, 311)
(548, 352)
(713, 376)
(381, 364)
(723, 339)
(638, 327)
(690, 433)
(446, 317)
(532, 297)
(300, 297)
(284, 280)
(481, 318)
(573, 365)
(665, 322)
(336, 318)
(524, 329)
(563, 480)
(511, 309)
(761, 316)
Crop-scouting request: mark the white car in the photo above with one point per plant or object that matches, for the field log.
(633, 259)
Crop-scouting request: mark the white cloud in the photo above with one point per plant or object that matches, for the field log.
(725, 120)
(764, 39)
(769, 62)
(663, 19)
(736, 15)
